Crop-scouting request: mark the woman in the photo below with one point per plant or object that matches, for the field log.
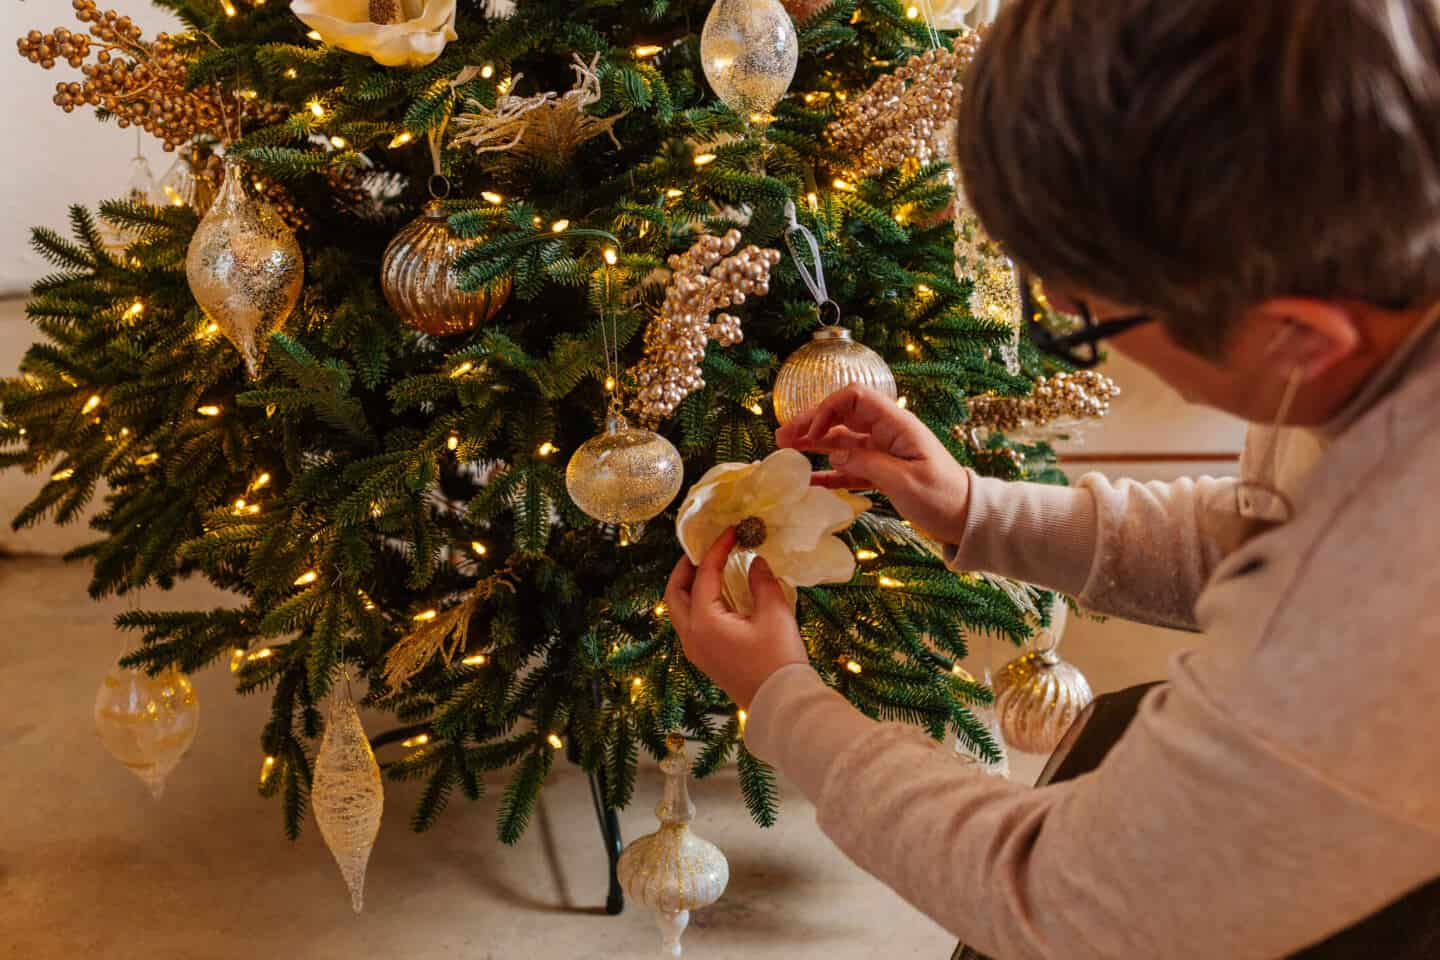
(1245, 198)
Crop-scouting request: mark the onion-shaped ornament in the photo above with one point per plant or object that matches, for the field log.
(417, 274)
(748, 49)
(672, 871)
(829, 362)
(1038, 696)
(145, 722)
(244, 266)
(626, 475)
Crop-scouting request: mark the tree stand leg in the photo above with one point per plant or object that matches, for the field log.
(609, 823)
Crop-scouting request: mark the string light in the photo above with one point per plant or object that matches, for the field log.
(490, 196)
(646, 50)
(314, 35)
(209, 410)
(265, 768)
(504, 85)
(478, 548)
(229, 8)
(660, 609)
(703, 158)
(609, 384)
(742, 716)
(461, 370)
(674, 192)
(210, 330)
(401, 138)
(889, 582)
(762, 118)
(866, 554)
(124, 432)
(135, 309)
(923, 289)
(452, 442)
(842, 184)
(249, 94)
(910, 347)
(546, 449)
(636, 683)
(912, 13)
(147, 459)
(902, 402)
(237, 657)
(339, 143)
(555, 741)
(65, 474)
(560, 226)
(253, 509)
(425, 616)
(476, 660)
(755, 408)
(306, 578)
(261, 481)
(813, 200)
(291, 73)
(264, 653)
(487, 71)
(240, 505)
(611, 257)
(419, 740)
(91, 404)
(317, 109)
(854, 667)
(365, 600)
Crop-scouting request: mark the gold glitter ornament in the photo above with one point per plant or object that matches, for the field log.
(346, 795)
(145, 722)
(749, 49)
(625, 475)
(831, 361)
(1038, 696)
(417, 275)
(1055, 401)
(244, 266)
(672, 871)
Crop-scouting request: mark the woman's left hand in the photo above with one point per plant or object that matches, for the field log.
(738, 652)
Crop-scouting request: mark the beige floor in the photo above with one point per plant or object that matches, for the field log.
(90, 866)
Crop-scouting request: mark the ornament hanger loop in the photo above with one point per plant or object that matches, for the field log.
(814, 278)
(439, 185)
(836, 307)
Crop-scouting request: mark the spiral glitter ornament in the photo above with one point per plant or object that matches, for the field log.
(347, 796)
(417, 275)
(625, 475)
(749, 49)
(244, 266)
(831, 361)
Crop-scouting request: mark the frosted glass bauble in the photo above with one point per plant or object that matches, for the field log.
(748, 49)
(147, 723)
(830, 361)
(625, 475)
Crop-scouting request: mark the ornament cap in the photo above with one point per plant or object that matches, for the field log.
(833, 332)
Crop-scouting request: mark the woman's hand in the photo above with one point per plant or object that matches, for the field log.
(739, 653)
(873, 444)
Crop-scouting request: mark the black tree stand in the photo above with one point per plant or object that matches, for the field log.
(608, 820)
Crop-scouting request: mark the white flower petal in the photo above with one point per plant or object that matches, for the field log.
(830, 562)
(412, 43)
(780, 479)
(736, 590)
(817, 513)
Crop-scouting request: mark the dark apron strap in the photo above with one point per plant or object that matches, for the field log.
(1408, 929)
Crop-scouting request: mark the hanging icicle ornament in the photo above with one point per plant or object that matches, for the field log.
(672, 871)
(1038, 696)
(832, 359)
(709, 276)
(244, 266)
(749, 50)
(346, 794)
(145, 722)
(626, 475)
(417, 271)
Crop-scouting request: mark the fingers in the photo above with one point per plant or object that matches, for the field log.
(710, 577)
(839, 480)
(677, 594)
(765, 591)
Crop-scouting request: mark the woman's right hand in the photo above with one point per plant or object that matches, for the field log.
(873, 444)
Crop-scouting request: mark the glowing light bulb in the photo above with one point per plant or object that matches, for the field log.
(291, 73)
(487, 71)
(314, 35)
(60, 475)
(854, 667)
(229, 8)
(841, 183)
(476, 660)
(742, 716)
(546, 448)
(813, 200)
(609, 384)
(208, 410)
(317, 109)
(912, 13)
(306, 578)
(646, 50)
(701, 159)
(490, 196)
(889, 582)
(419, 740)
(339, 143)
(91, 403)
(265, 768)
(756, 409)
(452, 442)
(611, 257)
(240, 505)
(865, 554)
(902, 402)
(264, 653)
(555, 741)
(560, 226)
(425, 616)
(237, 657)
(463, 369)
(911, 347)
(147, 459)
(674, 192)
(478, 548)
(261, 481)
(660, 609)
(401, 138)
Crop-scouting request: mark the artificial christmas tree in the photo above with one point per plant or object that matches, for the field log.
(394, 501)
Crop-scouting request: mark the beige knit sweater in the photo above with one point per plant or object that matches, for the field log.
(1283, 785)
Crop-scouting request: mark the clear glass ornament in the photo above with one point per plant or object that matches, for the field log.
(830, 361)
(347, 795)
(748, 49)
(417, 274)
(626, 475)
(184, 185)
(142, 180)
(145, 722)
(672, 871)
(244, 266)
(1038, 696)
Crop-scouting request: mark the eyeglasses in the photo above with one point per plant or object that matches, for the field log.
(1080, 348)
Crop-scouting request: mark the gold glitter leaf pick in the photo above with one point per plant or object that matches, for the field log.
(347, 796)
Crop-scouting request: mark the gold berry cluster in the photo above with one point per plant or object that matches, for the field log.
(1083, 395)
(902, 118)
(708, 277)
(141, 83)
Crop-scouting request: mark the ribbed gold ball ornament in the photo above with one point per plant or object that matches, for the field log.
(417, 274)
(830, 361)
(1038, 696)
(626, 475)
(244, 266)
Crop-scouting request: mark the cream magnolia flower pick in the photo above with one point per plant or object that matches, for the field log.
(394, 33)
(776, 515)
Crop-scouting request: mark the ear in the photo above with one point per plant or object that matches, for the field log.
(1310, 335)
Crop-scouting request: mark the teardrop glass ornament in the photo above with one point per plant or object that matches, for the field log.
(749, 49)
(244, 266)
(830, 361)
(347, 795)
(145, 722)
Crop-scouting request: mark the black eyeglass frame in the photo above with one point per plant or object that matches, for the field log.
(1080, 349)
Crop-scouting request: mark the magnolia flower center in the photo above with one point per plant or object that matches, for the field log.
(385, 12)
(750, 533)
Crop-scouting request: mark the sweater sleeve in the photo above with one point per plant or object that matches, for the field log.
(1142, 551)
(1137, 859)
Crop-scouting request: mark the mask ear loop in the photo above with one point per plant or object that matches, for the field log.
(1272, 443)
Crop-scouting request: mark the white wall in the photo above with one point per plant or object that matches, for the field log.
(52, 159)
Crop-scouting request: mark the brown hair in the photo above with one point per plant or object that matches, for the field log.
(1194, 157)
